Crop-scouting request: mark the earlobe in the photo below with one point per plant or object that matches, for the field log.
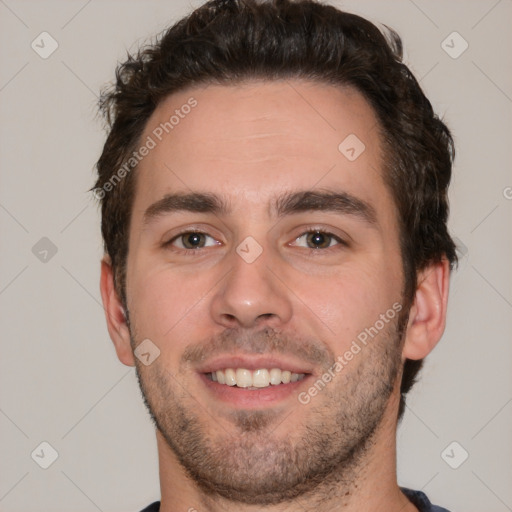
(427, 317)
(115, 314)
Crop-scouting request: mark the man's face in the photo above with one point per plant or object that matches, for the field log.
(289, 254)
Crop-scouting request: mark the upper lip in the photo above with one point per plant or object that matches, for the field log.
(255, 362)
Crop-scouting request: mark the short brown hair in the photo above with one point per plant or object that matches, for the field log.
(231, 41)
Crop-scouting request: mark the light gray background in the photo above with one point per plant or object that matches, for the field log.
(60, 379)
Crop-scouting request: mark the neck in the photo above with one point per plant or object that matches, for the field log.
(372, 484)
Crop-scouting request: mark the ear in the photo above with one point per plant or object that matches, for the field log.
(427, 318)
(115, 315)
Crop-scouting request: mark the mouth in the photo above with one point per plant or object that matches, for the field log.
(253, 382)
(254, 379)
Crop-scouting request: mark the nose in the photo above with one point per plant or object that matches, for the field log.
(252, 295)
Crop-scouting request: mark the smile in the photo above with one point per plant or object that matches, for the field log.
(254, 379)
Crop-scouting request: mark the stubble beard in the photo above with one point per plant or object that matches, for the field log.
(253, 464)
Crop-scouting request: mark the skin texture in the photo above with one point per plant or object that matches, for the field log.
(251, 143)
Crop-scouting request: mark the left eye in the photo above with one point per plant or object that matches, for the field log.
(317, 240)
(193, 240)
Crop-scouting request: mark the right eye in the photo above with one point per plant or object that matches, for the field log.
(192, 240)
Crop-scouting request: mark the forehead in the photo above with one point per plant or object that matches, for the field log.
(252, 140)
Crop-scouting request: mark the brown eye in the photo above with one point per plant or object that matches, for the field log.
(192, 240)
(318, 240)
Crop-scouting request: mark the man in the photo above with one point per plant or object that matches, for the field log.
(274, 205)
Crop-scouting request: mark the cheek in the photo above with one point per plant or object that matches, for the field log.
(166, 302)
(343, 304)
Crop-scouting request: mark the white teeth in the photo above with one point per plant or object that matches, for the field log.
(261, 378)
(230, 377)
(275, 376)
(243, 378)
(285, 376)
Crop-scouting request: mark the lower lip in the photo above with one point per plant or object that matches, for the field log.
(253, 398)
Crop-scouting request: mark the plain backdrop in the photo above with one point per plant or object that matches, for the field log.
(60, 380)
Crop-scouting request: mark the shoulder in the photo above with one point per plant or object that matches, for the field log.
(154, 507)
(420, 501)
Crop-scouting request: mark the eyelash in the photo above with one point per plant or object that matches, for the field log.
(321, 231)
(188, 252)
(308, 230)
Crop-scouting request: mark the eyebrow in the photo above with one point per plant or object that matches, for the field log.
(325, 201)
(286, 204)
(191, 202)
